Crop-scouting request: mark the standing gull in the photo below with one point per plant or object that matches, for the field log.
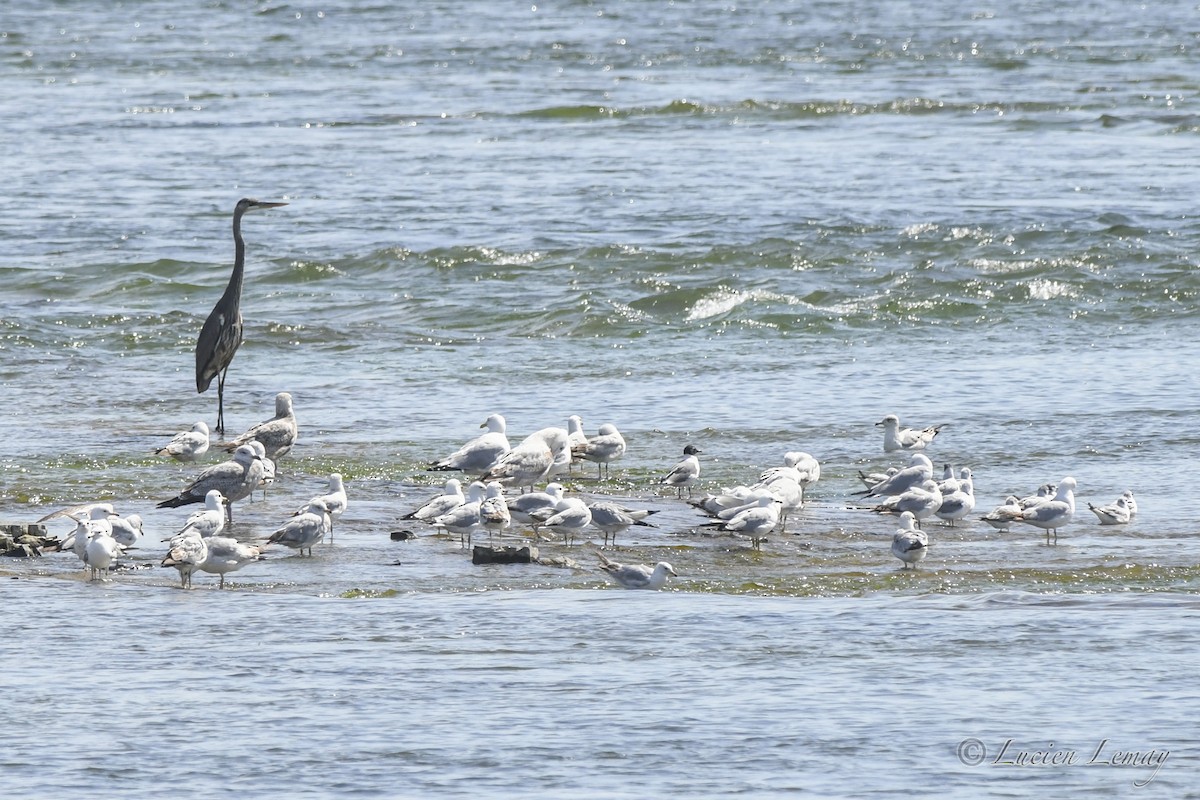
(452, 496)
(234, 479)
(756, 521)
(222, 332)
(187, 445)
(464, 519)
(959, 501)
(96, 520)
(335, 500)
(528, 508)
(276, 434)
(612, 519)
(922, 500)
(637, 576)
(210, 521)
(478, 455)
(1050, 515)
(102, 551)
(909, 544)
(268, 468)
(685, 473)
(493, 511)
(571, 516)
(226, 554)
(187, 552)
(896, 438)
(126, 530)
(531, 460)
(1005, 514)
(797, 465)
(919, 469)
(302, 532)
(604, 448)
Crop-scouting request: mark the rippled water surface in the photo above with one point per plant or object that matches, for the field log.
(756, 228)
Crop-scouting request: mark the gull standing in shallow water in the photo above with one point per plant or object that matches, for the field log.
(187, 445)
(909, 544)
(959, 501)
(612, 519)
(277, 434)
(126, 530)
(302, 532)
(452, 497)
(637, 576)
(531, 460)
(1050, 515)
(895, 438)
(464, 519)
(102, 551)
(922, 501)
(532, 508)
(1005, 514)
(575, 438)
(686, 473)
(919, 469)
(235, 479)
(210, 521)
(604, 448)
(227, 555)
(187, 552)
(755, 521)
(478, 455)
(335, 500)
(570, 517)
(493, 511)
(268, 468)
(96, 521)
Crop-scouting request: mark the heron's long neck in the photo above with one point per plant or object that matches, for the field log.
(234, 290)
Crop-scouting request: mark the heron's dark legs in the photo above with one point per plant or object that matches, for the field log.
(221, 401)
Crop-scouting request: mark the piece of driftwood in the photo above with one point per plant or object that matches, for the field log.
(482, 554)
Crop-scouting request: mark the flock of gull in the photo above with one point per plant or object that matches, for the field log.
(493, 466)
(503, 491)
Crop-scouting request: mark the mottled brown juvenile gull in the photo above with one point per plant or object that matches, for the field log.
(277, 434)
(187, 552)
(234, 479)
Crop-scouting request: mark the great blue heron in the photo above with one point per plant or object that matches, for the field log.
(222, 332)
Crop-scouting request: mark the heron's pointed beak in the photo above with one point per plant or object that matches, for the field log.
(268, 205)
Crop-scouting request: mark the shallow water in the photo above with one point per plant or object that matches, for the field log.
(757, 228)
